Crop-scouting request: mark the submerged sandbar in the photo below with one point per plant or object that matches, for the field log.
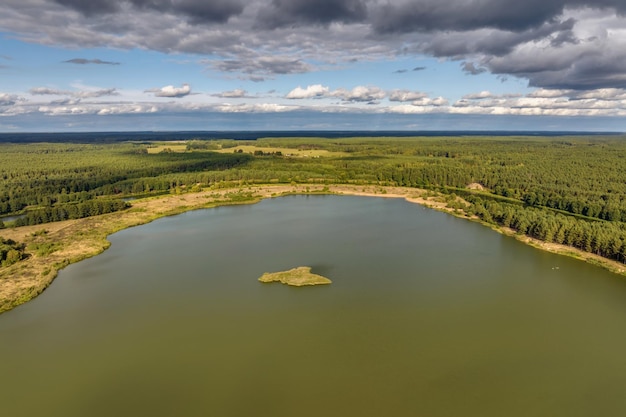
(297, 277)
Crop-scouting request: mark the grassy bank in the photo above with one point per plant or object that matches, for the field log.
(53, 246)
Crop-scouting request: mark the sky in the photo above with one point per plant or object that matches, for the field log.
(115, 65)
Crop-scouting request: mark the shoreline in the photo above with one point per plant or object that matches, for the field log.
(71, 241)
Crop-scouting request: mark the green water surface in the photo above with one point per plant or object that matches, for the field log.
(427, 315)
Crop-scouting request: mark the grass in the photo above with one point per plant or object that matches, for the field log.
(176, 147)
(180, 147)
(297, 277)
(45, 248)
(289, 152)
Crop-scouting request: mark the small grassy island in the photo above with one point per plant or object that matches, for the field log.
(297, 277)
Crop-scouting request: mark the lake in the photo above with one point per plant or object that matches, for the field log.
(427, 315)
(7, 219)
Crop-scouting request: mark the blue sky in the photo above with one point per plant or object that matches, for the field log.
(70, 65)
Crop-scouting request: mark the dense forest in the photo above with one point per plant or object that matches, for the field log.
(562, 189)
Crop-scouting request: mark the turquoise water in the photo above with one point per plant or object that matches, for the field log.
(428, 315)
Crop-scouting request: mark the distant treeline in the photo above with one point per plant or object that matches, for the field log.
(116, 137)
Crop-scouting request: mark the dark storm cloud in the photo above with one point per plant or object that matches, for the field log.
(208, 11)
(464, 15)
(196, 10)
(471, 68)
(586, 66)
(91, 7)
(259, 67)
(83, 61)
(493, 41)
(563, 37)
(589, 73)
(551, 43)
(390, 16)
(289, 12)
(437, 15)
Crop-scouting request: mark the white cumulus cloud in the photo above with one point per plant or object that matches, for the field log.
(236, 93)
(171, 91)
(311, 91)
(255, 108)
(360, 94)
(479, 96)
(8, 99)
(406, 95)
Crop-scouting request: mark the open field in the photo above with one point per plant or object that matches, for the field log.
(289, 152)
(167, 147)
(266, 149)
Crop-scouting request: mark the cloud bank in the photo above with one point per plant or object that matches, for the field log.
(573, 44)
(610, 102)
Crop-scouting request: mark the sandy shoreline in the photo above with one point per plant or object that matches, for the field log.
(74, 240)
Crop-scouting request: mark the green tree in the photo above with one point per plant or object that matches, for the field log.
(12, 256)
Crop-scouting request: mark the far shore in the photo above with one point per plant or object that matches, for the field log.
(74, 240)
